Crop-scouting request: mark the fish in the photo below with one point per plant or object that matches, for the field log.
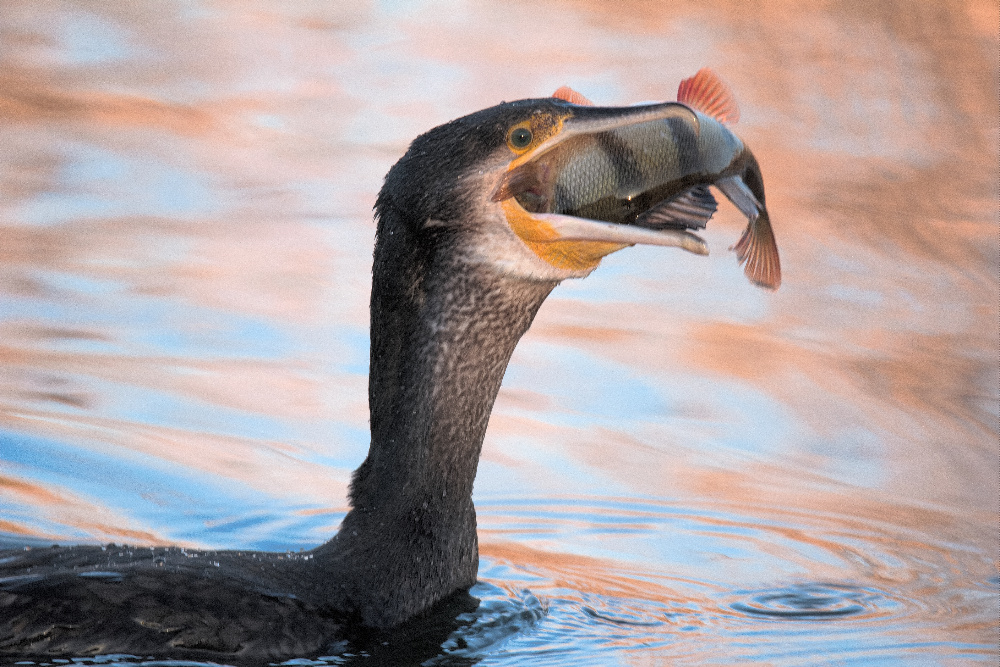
(657, 174)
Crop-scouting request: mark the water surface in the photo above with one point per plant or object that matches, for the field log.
(680, 469)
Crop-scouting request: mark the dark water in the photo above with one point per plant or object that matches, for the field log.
(680, 469)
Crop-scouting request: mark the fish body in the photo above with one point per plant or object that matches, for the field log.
(621, 173)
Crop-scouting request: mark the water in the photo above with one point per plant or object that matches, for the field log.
(680, 469)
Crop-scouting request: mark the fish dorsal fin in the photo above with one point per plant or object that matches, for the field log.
(706, 92)
(692, 209)
(571, 96)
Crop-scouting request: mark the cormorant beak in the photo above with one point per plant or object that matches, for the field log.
(526, 191)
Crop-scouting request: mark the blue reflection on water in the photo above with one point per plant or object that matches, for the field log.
(98, 183)
(683, 283)
(354, 346)
(598, 392)
(180, 501)
(106, 314)
(115, 480)
(88, 39)
(207, 333)
(592, 390)
(139, 405)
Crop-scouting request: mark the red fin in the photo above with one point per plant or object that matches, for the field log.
(707, 93)
(571, 96)
(759, 250)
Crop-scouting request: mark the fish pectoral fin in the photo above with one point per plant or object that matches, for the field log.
(737, 192)
(756, 250)
(692, 209)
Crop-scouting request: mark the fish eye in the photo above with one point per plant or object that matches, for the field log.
(520, 137)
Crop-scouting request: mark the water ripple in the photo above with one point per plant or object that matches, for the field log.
(827, 584)
(498, 618)
(814, 602)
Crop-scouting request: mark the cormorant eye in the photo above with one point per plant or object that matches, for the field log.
(520, 138)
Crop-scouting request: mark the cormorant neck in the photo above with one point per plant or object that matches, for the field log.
(442, 332)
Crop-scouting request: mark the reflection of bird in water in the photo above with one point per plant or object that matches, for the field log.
(477, 223)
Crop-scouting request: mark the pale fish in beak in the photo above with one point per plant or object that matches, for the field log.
(642, 174)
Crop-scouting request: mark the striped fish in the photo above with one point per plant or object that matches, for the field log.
(657, 174)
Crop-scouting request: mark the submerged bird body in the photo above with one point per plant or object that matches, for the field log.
(76, 601)
(460, 268)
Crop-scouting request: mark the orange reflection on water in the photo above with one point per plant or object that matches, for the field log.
(91, 519)
(26, 99)
(574, 572)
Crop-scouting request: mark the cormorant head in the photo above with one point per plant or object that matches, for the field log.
(485, 188)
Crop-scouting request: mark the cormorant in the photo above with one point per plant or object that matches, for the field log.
(477, 223)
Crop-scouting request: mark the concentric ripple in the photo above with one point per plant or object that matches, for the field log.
(813, 602)
(709, 583)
